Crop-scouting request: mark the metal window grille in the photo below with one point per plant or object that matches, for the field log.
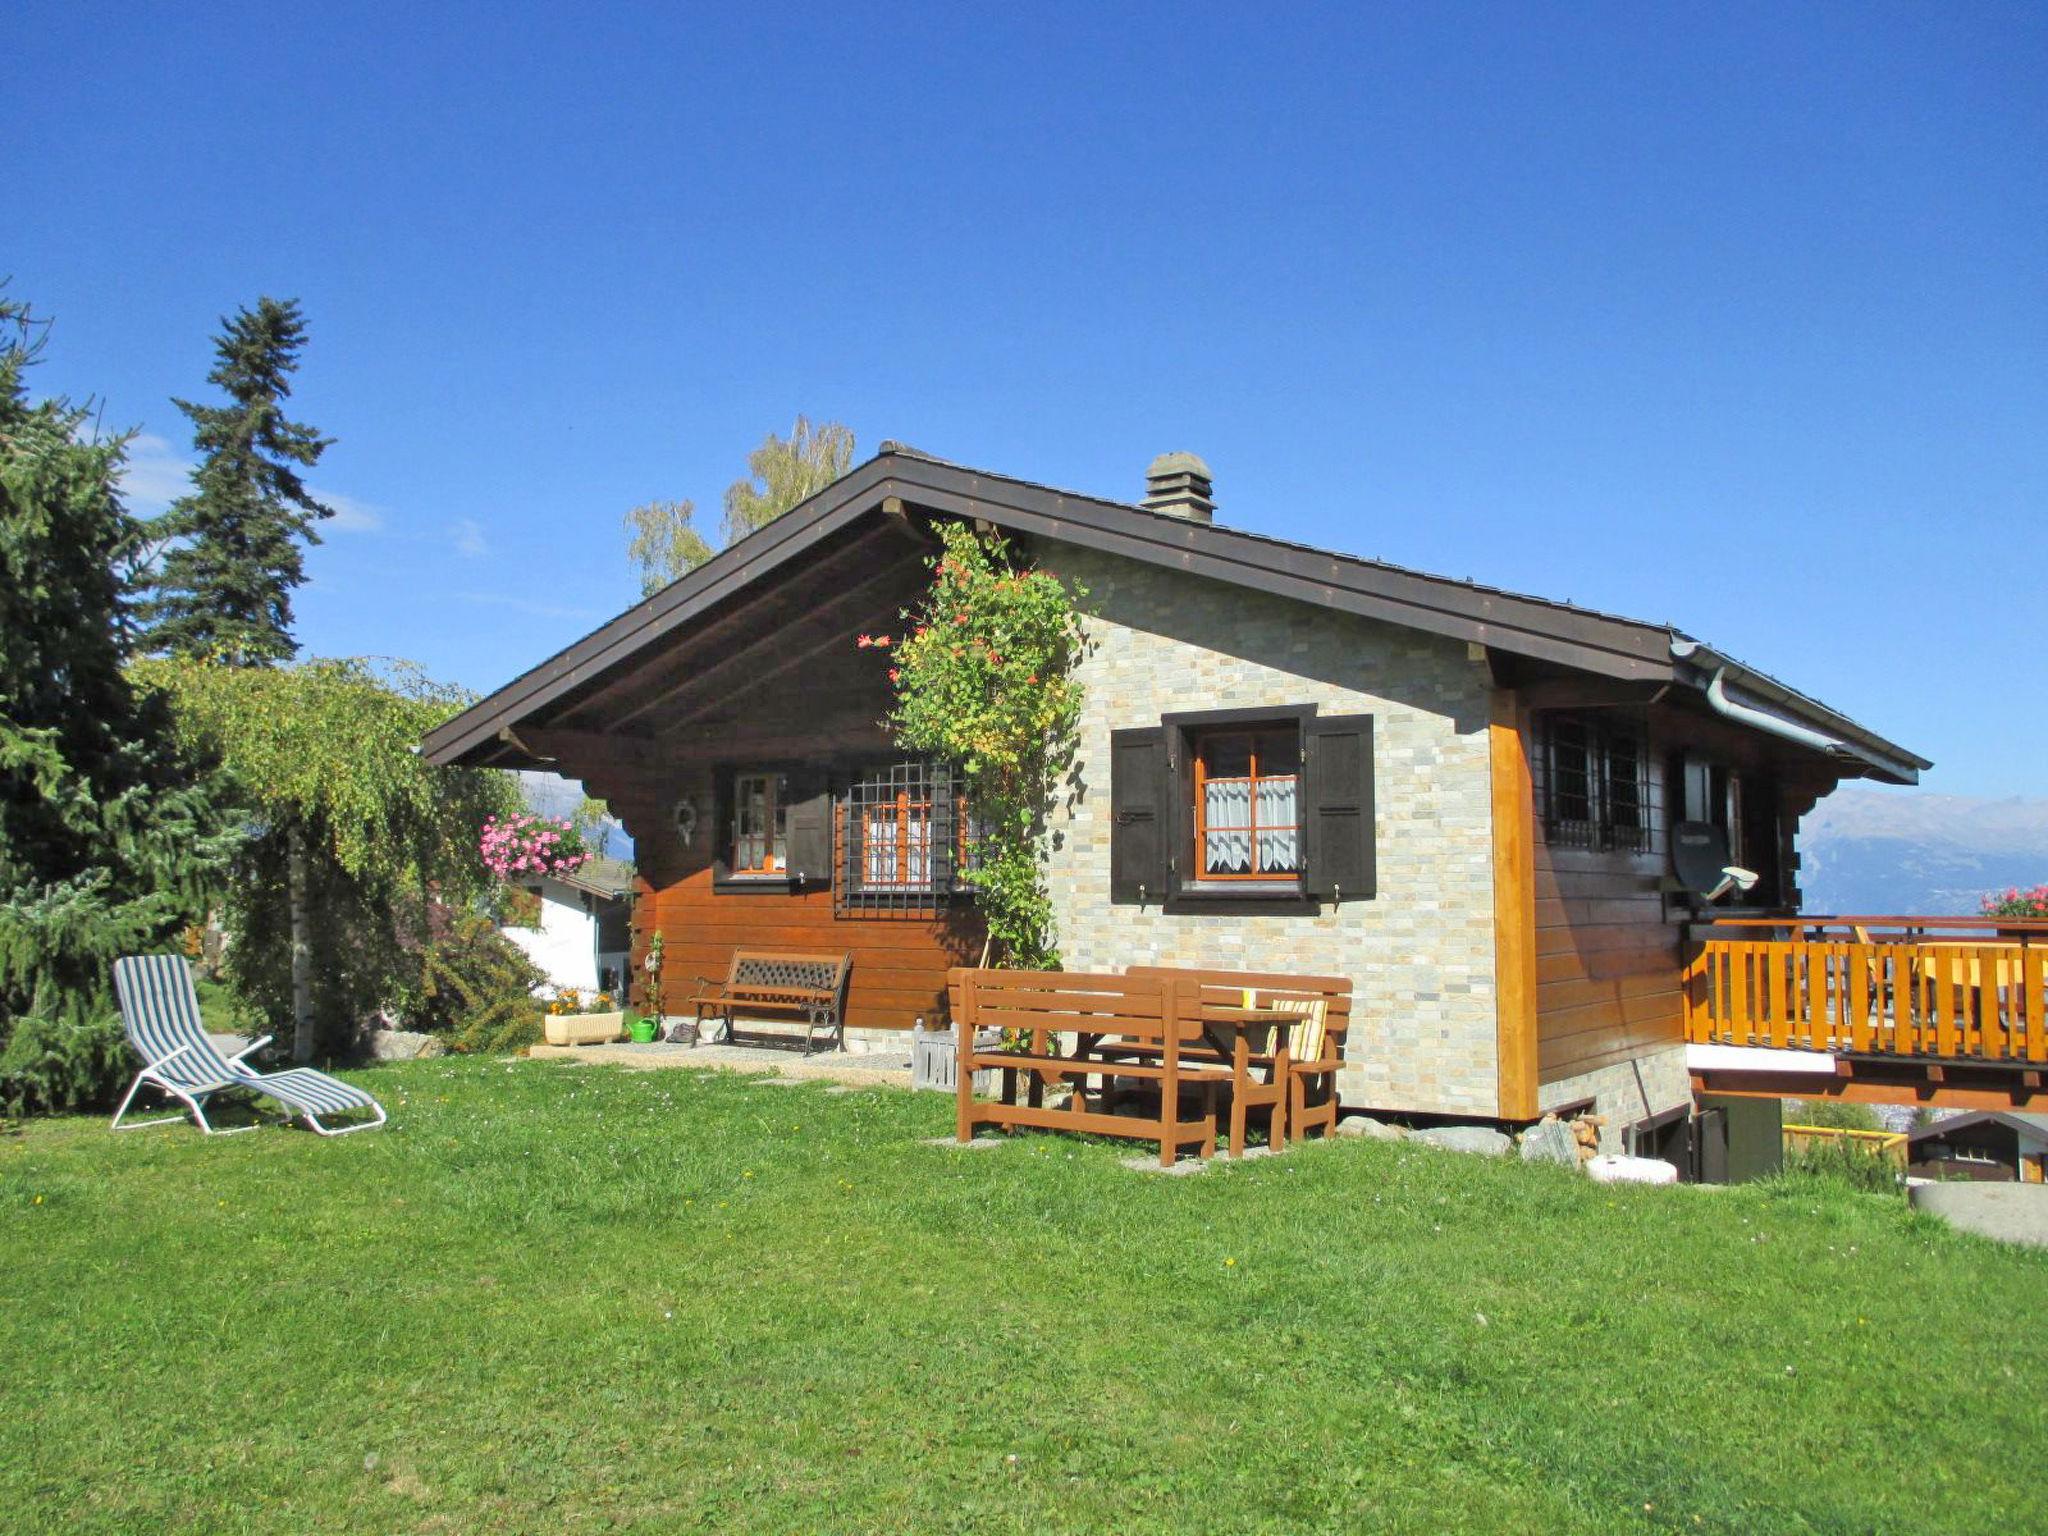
(902, 839)
(1595, 786)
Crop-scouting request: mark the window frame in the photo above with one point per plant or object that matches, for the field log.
(775, 807)
(1599, 735)
(1188, 890)
(784, 777)
(1200, 742)
(876, 789)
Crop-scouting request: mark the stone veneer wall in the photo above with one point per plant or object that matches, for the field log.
(1421, 953)
(1619, 1094)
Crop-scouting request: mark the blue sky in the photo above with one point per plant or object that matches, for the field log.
(1735, 316)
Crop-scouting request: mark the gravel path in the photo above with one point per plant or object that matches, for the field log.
(866, 1069)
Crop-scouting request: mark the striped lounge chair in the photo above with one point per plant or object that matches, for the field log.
(160, 1011)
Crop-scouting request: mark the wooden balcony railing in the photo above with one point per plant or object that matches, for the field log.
(1937, 989)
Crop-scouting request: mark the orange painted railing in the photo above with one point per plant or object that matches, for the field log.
(1948, 989)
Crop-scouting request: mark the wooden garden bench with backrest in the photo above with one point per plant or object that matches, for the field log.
(1046, 1007)
(1295, 1075)
(801, 987)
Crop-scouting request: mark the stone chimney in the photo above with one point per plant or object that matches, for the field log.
(1178, 484)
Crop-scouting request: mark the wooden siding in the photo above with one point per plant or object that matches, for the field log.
(1610, 962)
(899, 965)
(829, 718)
(1609, 972)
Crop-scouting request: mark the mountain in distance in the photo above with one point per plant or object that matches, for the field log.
(1907, 853)
(549, 794)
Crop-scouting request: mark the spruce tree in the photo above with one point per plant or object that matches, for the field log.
(232, 548)
(108, 836)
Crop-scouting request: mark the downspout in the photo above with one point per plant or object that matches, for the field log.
(1743, 714)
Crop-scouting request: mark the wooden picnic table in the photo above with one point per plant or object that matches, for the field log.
(1230, 1032)
(1044, 1006)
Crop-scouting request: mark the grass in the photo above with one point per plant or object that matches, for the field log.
(560, 1297)
(217, 1007)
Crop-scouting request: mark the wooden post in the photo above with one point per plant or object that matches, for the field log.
(1514, 909)
(963, 1054)
(1169, 1082)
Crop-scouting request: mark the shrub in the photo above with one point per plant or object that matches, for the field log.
(53, 1065)
(476, 986)
(1856, 1165)
(523, 843)
(985, 679)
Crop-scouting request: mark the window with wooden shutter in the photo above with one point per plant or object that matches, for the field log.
(1248, 810)
(773, 828)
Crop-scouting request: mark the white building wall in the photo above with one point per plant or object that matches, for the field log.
(564, 946)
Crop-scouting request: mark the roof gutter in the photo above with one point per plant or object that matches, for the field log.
(1763, 720)
(1873, 755)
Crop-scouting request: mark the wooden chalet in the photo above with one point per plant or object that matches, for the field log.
(1463, 799)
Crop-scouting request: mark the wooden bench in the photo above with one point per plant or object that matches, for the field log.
(1140, 1011)
(1300, 1094)
(805, 987)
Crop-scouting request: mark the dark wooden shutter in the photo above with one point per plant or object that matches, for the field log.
(809, 848)
(1139, 786)
(1337, 799)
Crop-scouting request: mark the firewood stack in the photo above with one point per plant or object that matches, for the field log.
(1586, 1131)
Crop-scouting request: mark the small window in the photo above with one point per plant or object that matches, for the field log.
(1596, 788)
(1623, 783)
(1572, 758)
(760, 824)
(1247, 803)
(904, 837)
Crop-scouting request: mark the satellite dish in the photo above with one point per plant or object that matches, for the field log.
(1699, 852)
(1699, 857)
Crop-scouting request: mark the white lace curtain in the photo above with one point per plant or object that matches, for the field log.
(897, 853)
(1229, 839)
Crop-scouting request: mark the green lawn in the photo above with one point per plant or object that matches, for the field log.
(553, 1297)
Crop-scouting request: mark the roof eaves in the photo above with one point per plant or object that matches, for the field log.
(1890, 761)
(719, 577)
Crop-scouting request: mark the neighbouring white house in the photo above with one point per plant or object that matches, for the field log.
(581, 934)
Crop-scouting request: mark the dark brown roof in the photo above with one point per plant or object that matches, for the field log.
(2030, 1123)
(1560, 634)
(611, 879)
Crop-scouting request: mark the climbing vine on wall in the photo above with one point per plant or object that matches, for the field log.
(984, 678)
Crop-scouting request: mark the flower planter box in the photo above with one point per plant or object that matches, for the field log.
(583, 1028)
